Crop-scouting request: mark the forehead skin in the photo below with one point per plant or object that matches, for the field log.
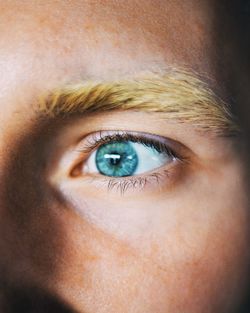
(47, 42)
(141, 33)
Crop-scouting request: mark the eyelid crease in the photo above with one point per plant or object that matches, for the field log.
(181, 95)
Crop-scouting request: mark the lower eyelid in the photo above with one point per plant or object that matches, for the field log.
(162, 178)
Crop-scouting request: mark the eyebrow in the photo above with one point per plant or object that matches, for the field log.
(180, 95)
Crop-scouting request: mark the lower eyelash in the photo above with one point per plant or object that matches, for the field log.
(122, 185)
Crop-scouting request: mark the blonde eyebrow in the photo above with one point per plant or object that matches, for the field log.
(179, 94)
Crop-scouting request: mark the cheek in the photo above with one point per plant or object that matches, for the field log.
(186, 253)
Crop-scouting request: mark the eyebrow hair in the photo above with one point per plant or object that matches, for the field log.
(179, 94)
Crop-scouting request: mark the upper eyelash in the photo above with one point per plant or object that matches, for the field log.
(101, 138)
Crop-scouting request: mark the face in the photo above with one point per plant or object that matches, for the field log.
(103, 207)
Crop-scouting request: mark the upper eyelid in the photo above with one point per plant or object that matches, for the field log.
(90, 142)
(93, 140)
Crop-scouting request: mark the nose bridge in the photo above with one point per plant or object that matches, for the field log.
(12, 128)
(6, 153)
(11, 232)
(13, 124)
(29, 228)
(18, 154)
(17, 196)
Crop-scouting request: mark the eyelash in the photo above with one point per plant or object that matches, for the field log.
(135, 182)
(131, 182)
(103, 137)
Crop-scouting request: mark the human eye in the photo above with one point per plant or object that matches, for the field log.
(125, 160)
(123, 155)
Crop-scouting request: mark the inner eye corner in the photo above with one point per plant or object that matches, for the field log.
(76, 171)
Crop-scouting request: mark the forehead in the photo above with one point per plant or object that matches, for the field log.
(45, 44)
(99, 38)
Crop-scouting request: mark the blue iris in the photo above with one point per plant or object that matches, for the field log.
(116, 159)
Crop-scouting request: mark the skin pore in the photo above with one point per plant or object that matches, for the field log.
(178, 243)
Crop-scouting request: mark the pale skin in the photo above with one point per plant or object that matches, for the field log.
(180, 246)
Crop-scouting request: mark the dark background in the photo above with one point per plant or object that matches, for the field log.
(232, 38)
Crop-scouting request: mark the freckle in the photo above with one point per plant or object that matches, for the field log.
(154, 248)
(88, 27)
(66, 50)
(92, 257)
(199, 26)
(116, 43)
(43, 20)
